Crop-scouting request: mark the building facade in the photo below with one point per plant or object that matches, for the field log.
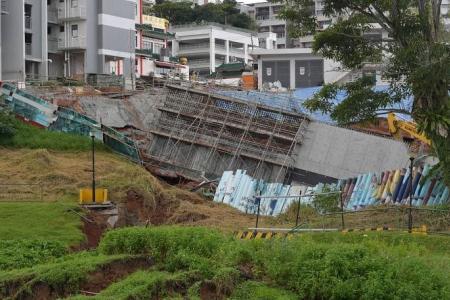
(206, 46)
(153, 56)
(295, 68)
(67, 38)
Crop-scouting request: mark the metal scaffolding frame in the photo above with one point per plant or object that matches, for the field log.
(240, 131)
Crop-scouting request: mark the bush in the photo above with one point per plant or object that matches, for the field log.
(252, 290)
(26, 253)
(27, 136)
(316, 266)
(162, 242)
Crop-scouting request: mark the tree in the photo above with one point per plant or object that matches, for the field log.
(415, 61)
(7, 125)
(184, 13)
(175, 12)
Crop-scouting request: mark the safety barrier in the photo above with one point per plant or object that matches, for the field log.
(44, 114)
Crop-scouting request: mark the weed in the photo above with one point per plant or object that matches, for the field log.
(16, 254)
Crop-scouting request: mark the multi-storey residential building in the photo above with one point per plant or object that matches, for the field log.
(207, 46)
(97, 37)
(265, 15)
(69, 38)
(152, 53)
(24, 28)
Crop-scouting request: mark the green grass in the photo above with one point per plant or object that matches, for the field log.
(64, 275)
(311, 266)
(194, 260)
(27, 136)
(43, 221)
(15, 254)
(252, 290)
(141, 285)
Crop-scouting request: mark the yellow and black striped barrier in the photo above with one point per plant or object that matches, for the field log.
(267, 235)
(366, 229)
(259, 235)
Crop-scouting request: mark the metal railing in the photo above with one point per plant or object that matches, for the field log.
(28, 49)
(194, 47)
(52, 44)
(262, 17)
(52, 15)
(73, 43)
(4, 10)
(28, 22)
(72, 13)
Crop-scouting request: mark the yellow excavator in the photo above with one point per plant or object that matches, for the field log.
(396, 127)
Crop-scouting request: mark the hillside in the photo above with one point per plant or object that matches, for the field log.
(44, 232)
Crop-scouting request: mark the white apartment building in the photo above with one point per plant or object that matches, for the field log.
(66, 38)
(206, 46)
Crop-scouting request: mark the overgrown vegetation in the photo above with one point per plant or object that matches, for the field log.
(15, 254)
(312, 266)
(186, 13)
(63, 276)
(16, 134)
(197, 262)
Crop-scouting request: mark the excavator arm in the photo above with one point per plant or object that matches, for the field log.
(397, 126)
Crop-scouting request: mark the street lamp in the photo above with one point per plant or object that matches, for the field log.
(411, 192)
(93, 165)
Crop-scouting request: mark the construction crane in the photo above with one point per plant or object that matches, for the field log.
(396, 127)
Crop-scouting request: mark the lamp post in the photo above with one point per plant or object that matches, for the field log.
(93, 166)
(298, 209)
(411, 193)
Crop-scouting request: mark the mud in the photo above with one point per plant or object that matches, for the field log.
(114, 272)
(96, 281)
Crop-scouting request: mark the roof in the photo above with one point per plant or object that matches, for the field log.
(196, 26)
(294, 100)
(284, 51)
(231, 67)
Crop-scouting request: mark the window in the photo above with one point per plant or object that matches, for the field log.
(61, 28)
(74, 30)
(49, 2)
(74, 3)
(49, 30)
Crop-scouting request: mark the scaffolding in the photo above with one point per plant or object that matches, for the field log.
(210, 133)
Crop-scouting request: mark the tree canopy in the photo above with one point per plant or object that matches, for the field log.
(412, 55)
(185, 12)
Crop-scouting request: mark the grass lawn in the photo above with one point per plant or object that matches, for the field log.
(47, 221)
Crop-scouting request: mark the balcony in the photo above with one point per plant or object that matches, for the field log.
(262, 17)
(28, 22)
(202, 47)
(52, 16)
(157, 33)
(199, 63)
(4, 10)
(28, 49)
(73, 43)
(75, 13)
(52, 45)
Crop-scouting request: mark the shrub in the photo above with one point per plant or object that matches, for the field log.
(162, 242)
(252, 290)
(15, 254)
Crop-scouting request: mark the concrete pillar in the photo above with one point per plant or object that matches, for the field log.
(227, 51)
(246, 53)
(212, 52)
(13, 41)
(43, 72)
(175, 47)
(292, 74)
(260, 72)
